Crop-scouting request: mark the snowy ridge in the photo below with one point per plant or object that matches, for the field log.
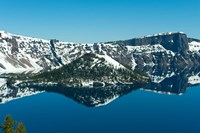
(164, 34)
(111, 61)
(21, 38)
(70, 52)
(20, 54)
(149, 49)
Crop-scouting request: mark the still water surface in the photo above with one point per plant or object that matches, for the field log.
(136, 112)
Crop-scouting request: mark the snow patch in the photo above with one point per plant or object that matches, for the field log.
(107, 101)
(164, 33)
(111, 61)
(194, 79)
(148, 49)
(194, 46)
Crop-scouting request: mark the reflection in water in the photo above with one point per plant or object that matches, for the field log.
(9, 92)
(162, 82)
(176, 84)
(91, 97)
(171, 80)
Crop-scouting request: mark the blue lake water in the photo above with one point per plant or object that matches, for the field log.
(137, 112)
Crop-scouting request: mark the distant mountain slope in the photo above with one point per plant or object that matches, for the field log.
(165, 54)
(90, 70)
(169, 53)
(19, 53)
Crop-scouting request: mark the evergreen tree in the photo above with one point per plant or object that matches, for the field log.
(20, 128)
(9, 126)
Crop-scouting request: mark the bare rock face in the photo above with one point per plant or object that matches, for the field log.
(176, 42)
(28, 53)
(14, 48)
(159, 51)
(165, 52)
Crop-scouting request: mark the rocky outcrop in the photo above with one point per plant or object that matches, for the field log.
(21, 53)
(162, 51)
(192, 39)
(176, 42)
(14, 48)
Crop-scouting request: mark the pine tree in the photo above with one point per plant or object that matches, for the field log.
(9, 126)
(20, 128)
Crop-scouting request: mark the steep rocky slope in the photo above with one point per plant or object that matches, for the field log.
(160, 55)
(19, 53)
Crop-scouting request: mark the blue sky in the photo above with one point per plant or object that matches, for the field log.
(99, 20)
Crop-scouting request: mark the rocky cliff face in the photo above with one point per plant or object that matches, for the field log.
(22, 54)
(176, 42)
(171, 59)
(159, 55)
(166, 53)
